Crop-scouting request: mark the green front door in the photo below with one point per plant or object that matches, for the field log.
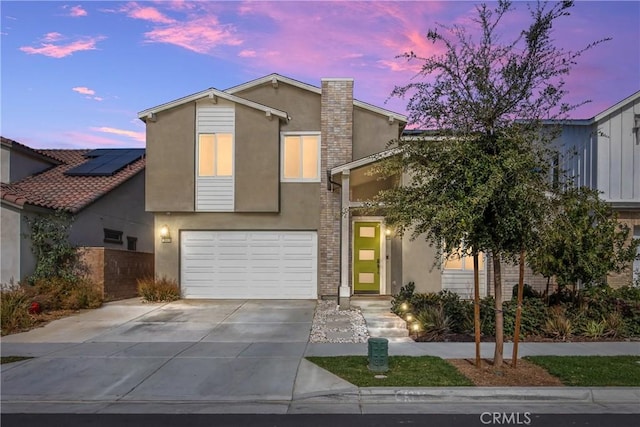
(366, 257)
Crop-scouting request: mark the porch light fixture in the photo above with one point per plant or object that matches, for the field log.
(165, 235)
(387, 232)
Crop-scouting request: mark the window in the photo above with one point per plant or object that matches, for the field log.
(301, 157)
(215, 154)
(132, 243)
(112, 236)
(462, 261)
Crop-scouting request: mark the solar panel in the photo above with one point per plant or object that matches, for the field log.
(106, 161)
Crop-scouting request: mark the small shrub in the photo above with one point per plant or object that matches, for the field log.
(404, 296)
(160, 289)
(14, 309)
(558, 325)
(594, 329)
(66, 293)
(434, 322)
(614, 325)
(527, 292)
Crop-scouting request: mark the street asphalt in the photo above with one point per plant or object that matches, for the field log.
(234, 357)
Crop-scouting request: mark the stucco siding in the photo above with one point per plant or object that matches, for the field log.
(418, 265)
(257, 162)
(10, 233)
(303, 106)
(299, 211)
(5, 164)
(170, 167)
(371, 132)
(122, 210)
(619, 155)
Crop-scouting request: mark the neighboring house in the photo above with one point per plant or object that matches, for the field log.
(603, 153)
(103, 189)
(256, 191)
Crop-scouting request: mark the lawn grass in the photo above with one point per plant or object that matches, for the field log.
(405, 371)
(592, 371)
(11, 359)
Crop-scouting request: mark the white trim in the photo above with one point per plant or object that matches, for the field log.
(208, 93)
(314, 89)
(306, 133)
(365, 161)
(617, 106)
(383, 251)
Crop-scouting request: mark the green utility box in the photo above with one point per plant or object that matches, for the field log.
(378, 354)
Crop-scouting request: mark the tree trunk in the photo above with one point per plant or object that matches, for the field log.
(497, 284)
(546, 296)
(476, 307)
(516, 332)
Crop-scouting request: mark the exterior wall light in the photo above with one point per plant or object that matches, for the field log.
(165, 235)
(387, 232)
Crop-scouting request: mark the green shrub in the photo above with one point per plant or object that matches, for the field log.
(403, 297)
(434, 322)
(594, 329)
(527, 292)
(558, 325)
(614, 325)
(14, 309)
(533, 315)
(158, 289)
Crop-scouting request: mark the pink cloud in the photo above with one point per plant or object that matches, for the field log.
(133, 10)
(47, 48)
(77, 11)
(137, 136)
(200, 35)
(80, 139)
(52, 37)
(247, 53)
(84, 90)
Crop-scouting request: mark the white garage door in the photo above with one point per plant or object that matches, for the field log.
(249, 264)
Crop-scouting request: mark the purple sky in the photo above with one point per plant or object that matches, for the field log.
(75, 74)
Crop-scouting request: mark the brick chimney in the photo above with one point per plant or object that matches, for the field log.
(336, 126)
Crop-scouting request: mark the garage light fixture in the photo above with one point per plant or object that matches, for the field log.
(165, 235)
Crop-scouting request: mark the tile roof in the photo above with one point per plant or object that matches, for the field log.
(15, 145)
(54, 190)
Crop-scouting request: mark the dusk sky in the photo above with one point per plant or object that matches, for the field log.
(75, 74)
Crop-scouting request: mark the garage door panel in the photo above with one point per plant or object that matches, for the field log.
(249, 264)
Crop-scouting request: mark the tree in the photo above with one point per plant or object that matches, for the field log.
(582, 241)
(480, 177)
(55, 256)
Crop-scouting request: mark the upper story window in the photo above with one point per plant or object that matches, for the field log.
(215, 154)
(301, 157)
(112, 236)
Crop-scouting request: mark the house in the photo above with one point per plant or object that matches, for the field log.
(603, 153)
(255, 192)
(103, 189)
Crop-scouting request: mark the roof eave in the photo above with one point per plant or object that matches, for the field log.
(211, 93)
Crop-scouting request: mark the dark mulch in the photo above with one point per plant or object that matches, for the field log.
(455, 337)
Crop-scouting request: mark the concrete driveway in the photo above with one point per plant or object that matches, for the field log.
(181, 351)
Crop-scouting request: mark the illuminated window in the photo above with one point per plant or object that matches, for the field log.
(301, 157)
(215, 154)
(462, 261)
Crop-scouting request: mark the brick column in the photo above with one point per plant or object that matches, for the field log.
(336, 117)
